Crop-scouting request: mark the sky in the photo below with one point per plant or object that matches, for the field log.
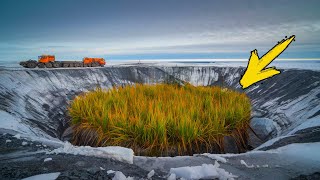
(156, 29)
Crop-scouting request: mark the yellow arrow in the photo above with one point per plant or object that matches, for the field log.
(256, 70)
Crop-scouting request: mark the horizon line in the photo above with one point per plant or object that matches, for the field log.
(211, 59)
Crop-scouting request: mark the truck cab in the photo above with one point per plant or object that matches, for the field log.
(46, 58)
(93, 62)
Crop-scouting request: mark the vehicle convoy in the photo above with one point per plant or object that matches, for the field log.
(49, 61)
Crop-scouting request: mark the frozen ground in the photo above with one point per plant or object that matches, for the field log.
(286, 116)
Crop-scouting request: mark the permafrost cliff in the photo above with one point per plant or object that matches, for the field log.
(39, 98)
(286, 110)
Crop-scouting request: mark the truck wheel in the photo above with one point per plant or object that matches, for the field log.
(49, 65)
(41, 65)
(56, 65)
(95, 64)
(31, 64)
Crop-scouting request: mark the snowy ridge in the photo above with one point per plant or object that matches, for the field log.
(113, 152)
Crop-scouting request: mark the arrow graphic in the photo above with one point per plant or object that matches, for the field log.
(256, 70)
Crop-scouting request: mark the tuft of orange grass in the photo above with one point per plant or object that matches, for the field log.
(162, 119)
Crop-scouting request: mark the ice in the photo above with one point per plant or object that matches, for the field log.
(120, 176)
(216, 157)
(244, 163)
(150, 174)
(312, 122)
(271, 141)
(24, 143)
(47, 159)
(110, 171)
(172, 177)
(18, 136)
(306, 154)
(204, 171)
(102, 169)
(10, 122)
(113, 152)
(49, 176)
(8, 141)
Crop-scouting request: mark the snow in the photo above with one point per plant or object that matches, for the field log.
(113, 152)
(204, 171)
(150, 174)
(216, 157)
(307, 154)
(47, 159)
(312, 122)
(244, 163)
(102, 169)
(172, 177)
(8, 141)
(120, 176)
(49, 176)
(271, 141)
(11, 122)
(110, 171)
(24, 143)
(18, 136)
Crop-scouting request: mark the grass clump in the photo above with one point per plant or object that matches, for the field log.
(161, 119)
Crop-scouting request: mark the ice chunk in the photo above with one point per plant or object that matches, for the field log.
(113, 152)
(204, 171)
(150, 174)
(120, 176)
(18, 136)
(172, 177)
(216, 157)
(47, 159)
(24, 143)
(49, 176)
(244, 163)
(110, 171)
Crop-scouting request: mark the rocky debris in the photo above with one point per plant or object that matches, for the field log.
(17, 161)
(314, 176)
(263, 127)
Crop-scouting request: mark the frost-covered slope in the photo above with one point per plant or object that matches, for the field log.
(38, 99)
(35, 101)
(289, 99)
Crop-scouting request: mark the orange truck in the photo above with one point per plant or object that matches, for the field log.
(49, 61)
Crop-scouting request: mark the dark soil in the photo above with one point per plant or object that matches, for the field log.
(18, 161)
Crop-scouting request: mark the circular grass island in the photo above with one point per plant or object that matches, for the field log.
(162, 119)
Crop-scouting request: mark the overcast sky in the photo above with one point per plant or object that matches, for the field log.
(147, 29)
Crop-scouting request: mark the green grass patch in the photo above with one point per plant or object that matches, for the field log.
(161, 120)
